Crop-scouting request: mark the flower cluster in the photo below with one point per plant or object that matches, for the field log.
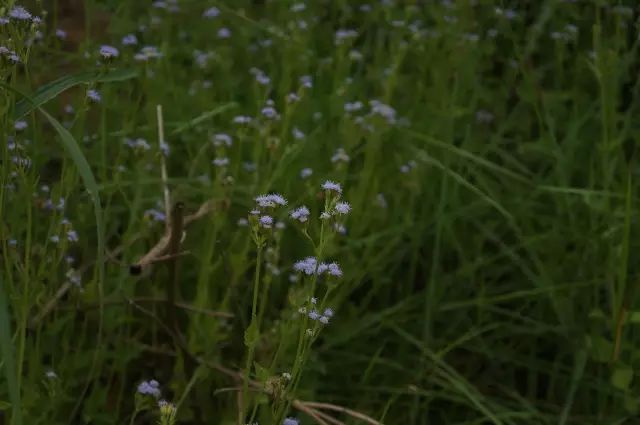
(151, 388)
(311, 266)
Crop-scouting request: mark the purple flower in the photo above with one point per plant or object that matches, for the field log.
(146, 53)
(270, 200)
(149, 388)
(242, 119)
(301, 214)
(292, 98)
(290, 421)
(306, 81)
(314, 315)
(334, 270)
(55, 239)
(224, 33)
(72, 236)
(353, 106)
(20, 13)
(129, 40)
(345, 34)
(61, 34)
(297, 134)
(324, 320)
(220, 162)
(328, 312)
(340, 156)
(342, 208)
(108, 52)
(212, 12)
(332, 186)
(270, 112)
(266, 221)
(307, 266)
(94, 95)
(20, 125)
(305, 172)
(222, 139)
(156, 215)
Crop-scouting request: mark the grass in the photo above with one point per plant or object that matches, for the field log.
(487, 265)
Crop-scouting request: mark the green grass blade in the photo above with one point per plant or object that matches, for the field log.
(6, 345)
(50, 90)
(202, 118)
(72, 148)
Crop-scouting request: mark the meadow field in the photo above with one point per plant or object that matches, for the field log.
(326, 212)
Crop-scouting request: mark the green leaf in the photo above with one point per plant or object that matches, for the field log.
(261, 372)
(251, 334)
(6, 348)
(600, 348)
(621, 377)
(50, 90)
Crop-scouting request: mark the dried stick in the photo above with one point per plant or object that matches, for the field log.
(352, 413)
(163, 166)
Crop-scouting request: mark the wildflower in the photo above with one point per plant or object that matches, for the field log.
(242, 119)
(324, 320)
(220, 162)
(298, 7)
(69, 259)
(20, 13)
(314, 315)
(266, 221)
(339, 228)
(270, 200)
(167, 411)
(74, 277)
(20, 125)
(332, 186)
(224, 33)
(342, 208)
(129, 40)
(385, 111)
(210, 13)
(297, 134)
(302, 310)
(313, 300)
(94, 95)
(149, 388)
(301, 214)
(13, 57)
(270, 112)
(340, 156)
(328, 312)
(249, 166)
(68, 109)
(242, 222)
(325, 215)
(254, 212)
(3, 20)
(292, 97)
(344, 34)
(307, 266)
(287, 376)
(355, 55)
(50, 374)
(155, 215)
(146, 53)
(280, 225)
(55, 239)
(334, 270)
(72, 236)
(353, 106)
(290, 421)
(484, 116)
(222, 139)
(108, 52)
(61, 34)
(12, 242)
(305, 172)
(306, 81)
(164, 147)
